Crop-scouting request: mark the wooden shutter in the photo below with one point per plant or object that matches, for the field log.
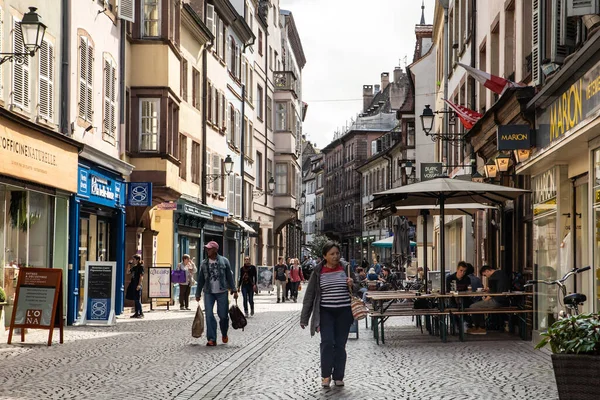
(231, 194)
(208, 100)
(217, 171)
(127, 10)
(213, 104)
(46, 88)
(210, 18)
(536, 17)
(208, 166)
(238, 195)
(110, 97)
(238, 129)
(20, 78)
(576, 8)
(564, 33)
(224, 112)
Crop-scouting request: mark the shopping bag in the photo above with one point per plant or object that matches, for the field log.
(299, 287)
(198, 324)
(178, 276)
(238, 320)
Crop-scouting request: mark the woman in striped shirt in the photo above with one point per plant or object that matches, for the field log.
(328, 300)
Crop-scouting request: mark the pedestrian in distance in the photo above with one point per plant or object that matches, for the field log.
(288, 285)
(280, 278)
(190, 269)
(215, 278)
(296, 277)
(136, 269)
(327, 299)
(247, 284)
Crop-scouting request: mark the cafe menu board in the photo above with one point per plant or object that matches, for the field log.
(38, 302)
(159, 282)
(99, 291)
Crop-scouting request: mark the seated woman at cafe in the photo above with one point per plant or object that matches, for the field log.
(388, 280)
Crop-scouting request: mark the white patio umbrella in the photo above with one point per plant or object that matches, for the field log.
(442, 191)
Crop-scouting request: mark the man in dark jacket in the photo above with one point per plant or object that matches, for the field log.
(247, 284)
(497, 283)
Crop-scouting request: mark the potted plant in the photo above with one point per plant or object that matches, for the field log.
(575, 344)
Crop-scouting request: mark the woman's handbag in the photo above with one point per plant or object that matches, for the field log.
(299, 287)
(178, 276)
(198, 324)
(359, 309)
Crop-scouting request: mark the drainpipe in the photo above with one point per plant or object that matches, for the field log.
(64, 71)
(468, 147)
(204, 110)
(446, 72)
(266, 180)
(243, 150)
(121, 145)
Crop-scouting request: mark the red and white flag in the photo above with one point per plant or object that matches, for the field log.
(492, 82)
(467, 116)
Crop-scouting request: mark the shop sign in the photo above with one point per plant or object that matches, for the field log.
(99, 188)
(159, 282)
(167, 206)
(544, 187)
(513, 137)
(139, 194)
(570, 108)
(99, 293)
(597, 196)
(196, 211)
(431, 171)
(33, 156)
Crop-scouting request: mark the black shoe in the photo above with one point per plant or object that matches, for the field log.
(136, 315)
(283, 300)
(187, 308)
(278, 300)
(141, 315)
(252, 313)
(181, 308)
(295, 300)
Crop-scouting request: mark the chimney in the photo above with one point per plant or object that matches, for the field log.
(367, 96)
(377, 88)
(385, 80)
(398, 74)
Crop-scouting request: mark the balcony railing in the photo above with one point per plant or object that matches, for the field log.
(285, 80)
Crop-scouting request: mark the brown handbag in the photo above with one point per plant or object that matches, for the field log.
(359, 309)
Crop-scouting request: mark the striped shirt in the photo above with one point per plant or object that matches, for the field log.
(334, 289)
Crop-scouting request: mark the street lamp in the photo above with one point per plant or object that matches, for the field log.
(427, 124)
(522, 155)
(502, 162)
(270, 189)
(427, 119)
(491, 169)
(32, 36)
(228, 163)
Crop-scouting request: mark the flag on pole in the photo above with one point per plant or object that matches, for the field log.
(492, 82)
(467, 116)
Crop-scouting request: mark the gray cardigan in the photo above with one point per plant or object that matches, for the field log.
(312, 301)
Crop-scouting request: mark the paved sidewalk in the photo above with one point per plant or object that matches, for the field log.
(156, 358)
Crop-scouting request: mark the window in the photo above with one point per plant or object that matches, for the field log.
(250, 86)
(234, 193)
(184, 79)
(222, 44)
(269, 113)
(214, 102)
(231, 125)
(259, 170)
(151, 18)
(248, 138)
(183, 156)
(238, 130)
(195, 162)
(208, 166)
(223, 112)
(216, 170)
(110, 100)
(86, 68)
(196, 90)
(269, 169)
(149, 123)
(210, 18)
(281, 178)
(259, 102)
(46, 89)
(270, 58)
(238, 195)
(281, 116)
(260, 42)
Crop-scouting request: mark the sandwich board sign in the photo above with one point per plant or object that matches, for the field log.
(38, 302)
(99, 293)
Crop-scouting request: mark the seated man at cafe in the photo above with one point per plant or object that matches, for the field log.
(460, 277)
(497, 283)
(388, 280)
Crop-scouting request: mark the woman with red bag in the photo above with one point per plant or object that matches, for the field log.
(296, 277)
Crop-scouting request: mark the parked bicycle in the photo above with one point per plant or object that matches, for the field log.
(570, 301)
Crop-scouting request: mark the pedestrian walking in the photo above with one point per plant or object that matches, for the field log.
(247, 284)
(190, 269)
(296, 276)
(328, 301)
(215, 278)
(134, 291)
(280, 278)
(288, 285)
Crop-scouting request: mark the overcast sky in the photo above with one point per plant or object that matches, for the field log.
(348, 44)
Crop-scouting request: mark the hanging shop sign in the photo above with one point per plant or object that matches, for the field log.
(38, 302)
(99, 299)
(570, 108)
(514, 137)
(139, 194)
(33, 156)
(544, 191)
(97, 187)
(431, 171)
(196, 211)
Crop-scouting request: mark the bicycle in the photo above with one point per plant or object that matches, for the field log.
(570, 301)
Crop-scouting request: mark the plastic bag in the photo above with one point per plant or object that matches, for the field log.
(198, 324)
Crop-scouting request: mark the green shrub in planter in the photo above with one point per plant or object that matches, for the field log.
(578, 334)
(575, 342)
(2, 295)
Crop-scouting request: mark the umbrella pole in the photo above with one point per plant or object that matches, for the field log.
(442, 247)
(425, 275)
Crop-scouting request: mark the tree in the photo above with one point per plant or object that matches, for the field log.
(316, 246)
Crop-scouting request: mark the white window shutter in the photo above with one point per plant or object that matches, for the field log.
(231, 194)
(82, 76)
(210, 18)
(46, 88)
(238, 129)
(217, 171)
(208, 166)
(238, 195)
(576, 8)
(214, 101)
(228, 129)
(126, 10)
(89, 110)
(109, 124)
(20, 78)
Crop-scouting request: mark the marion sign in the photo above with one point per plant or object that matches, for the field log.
(514, 137)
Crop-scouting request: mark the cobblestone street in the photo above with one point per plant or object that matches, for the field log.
(156, 358)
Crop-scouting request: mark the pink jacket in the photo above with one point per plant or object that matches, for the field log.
(296, 274)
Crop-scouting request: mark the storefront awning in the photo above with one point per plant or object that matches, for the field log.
(244, 225)
(220, 213)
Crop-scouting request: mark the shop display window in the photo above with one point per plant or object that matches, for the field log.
(546, 261)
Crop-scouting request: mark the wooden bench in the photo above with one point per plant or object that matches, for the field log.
(379, 318)
(505, 310)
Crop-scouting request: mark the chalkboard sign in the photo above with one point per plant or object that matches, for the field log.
(159, 282)
(99, 290)
(431, 171)
(38, 302)
(265, 278)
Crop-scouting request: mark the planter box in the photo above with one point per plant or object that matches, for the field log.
(576, 376)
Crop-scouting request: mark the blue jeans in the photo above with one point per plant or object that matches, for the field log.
(248, 294)
(222, 300)
(335, 326)
(138, 303)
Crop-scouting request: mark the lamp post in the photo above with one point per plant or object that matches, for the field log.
(228, 163)
(32, 35)
(427, 118)
(270, 189)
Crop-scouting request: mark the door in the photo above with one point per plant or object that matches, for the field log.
(84, 243)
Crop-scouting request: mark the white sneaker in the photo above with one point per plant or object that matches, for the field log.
(339, 383)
